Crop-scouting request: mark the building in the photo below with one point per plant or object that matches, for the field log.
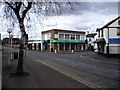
(63, 40)
(108, 41)
(15, 42)
(34, 44)
(90, 41)
(0, 39)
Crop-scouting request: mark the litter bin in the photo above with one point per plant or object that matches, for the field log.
(15, 55)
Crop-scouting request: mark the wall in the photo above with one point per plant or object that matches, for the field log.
(113, 48)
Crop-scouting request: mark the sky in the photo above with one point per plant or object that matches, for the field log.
(86, 16)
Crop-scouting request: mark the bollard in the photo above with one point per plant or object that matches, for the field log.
(55, 51)
(72, 51)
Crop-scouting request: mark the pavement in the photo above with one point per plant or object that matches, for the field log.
(9, 77)
(0, 65)
(11, 80)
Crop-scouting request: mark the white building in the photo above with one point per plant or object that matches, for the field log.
(90, 39)
(108, 41)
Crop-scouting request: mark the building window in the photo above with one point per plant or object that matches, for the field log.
(43, 37)
(82, 37)
(90, 39)
(48, 35)
(61, 36)
(118, 31)
(67, 36)
(77, 37)
(72, 37)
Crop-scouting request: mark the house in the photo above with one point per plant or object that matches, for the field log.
(63, 40)
(90, 39)
(108, 41)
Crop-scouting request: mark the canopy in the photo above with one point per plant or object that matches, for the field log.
(67, 41)
(100, 40)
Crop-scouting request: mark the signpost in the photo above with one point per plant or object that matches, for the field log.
(9, 30)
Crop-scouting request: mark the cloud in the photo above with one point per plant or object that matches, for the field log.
(85, 16)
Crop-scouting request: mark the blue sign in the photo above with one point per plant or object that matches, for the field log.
(114, 41)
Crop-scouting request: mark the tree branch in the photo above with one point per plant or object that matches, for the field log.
(10, 5)
(18, 5)
(16, 11)
(26, 9)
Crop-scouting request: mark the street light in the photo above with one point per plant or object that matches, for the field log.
(11, 36)
(9, 30)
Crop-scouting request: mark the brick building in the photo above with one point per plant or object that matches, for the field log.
(15, 41)
(63, 40)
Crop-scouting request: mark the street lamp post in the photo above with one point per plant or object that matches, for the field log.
(9, 31)
(11, 36)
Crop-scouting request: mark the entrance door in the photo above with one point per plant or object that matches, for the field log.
(61, 46)
(72, 46)
(66, 46)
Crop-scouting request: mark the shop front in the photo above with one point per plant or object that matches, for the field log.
(101, 45)
(67, 45)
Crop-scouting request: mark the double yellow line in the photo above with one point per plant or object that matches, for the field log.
(72, 76)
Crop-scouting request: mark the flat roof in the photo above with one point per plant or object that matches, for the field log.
(62, 30)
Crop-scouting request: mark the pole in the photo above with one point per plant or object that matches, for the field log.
(9, 51)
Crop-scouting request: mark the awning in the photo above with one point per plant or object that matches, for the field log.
(67, 41)
(100, 40)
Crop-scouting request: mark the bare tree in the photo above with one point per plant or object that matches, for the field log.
(19, 11)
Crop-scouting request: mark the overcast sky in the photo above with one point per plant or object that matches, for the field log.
(85, 16)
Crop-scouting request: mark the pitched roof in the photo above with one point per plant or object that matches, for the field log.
(109, 23)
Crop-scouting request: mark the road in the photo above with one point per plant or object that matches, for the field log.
(90, 72)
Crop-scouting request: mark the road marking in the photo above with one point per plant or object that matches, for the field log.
(98, 60)
(71, 76)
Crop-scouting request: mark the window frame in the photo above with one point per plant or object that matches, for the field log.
(67, 36)
(61, 36)
(118, 31)
(77, 37)
(72, 36)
